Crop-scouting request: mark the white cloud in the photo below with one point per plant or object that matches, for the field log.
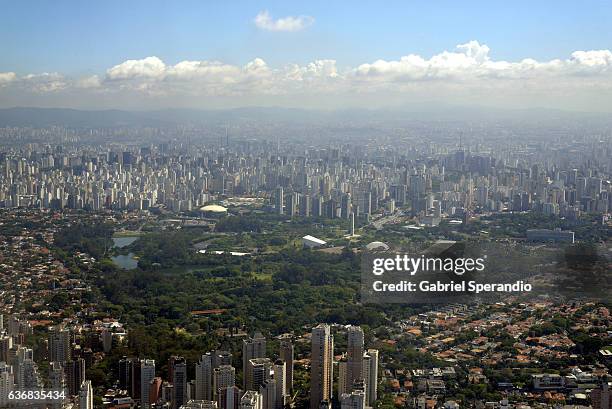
(6, 77)
(89, 82)
(475, 50)
(471, 61)
(45, 82)
(469, 71)
(150, 67)
(264, 21)
(213, 78)
(192, 70)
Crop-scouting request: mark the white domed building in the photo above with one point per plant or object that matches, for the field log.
(377, 246)
(213, 210)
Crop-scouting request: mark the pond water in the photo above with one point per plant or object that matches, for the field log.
(121, 242)
(125, 261)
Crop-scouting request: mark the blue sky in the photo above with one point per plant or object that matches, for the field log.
(213, 54)
(77, 37)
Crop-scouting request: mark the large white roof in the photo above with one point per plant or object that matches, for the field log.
(377, 245)
(213, 208)
(313, 239)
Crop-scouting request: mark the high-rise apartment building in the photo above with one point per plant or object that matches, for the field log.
(57, 382)
(252, 348)
(343, 385)
(355, 342)
(223, 377)
(258, 371)
(86, 396)
(179, 382)
(280, 377)
(286, 353)
(59, 345)
(321, 370)
(204, 380)
(6, 343)
(370, 375)
(147, 374)
(229, 398)
(6, 383)
(279, 200)
(75, 375)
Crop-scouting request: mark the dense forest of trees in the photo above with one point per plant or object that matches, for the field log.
(91, 238)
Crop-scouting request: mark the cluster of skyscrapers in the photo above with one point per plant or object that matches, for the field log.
(19, 372)
(266, 384)
(357, 380)
(334, 181)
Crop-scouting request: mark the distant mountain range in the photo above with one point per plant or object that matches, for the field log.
(41, 117)
(73, 118)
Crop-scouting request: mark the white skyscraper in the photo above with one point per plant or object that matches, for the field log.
(280, 376)
(86, 396)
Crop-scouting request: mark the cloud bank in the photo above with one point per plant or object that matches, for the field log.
(466, 74)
